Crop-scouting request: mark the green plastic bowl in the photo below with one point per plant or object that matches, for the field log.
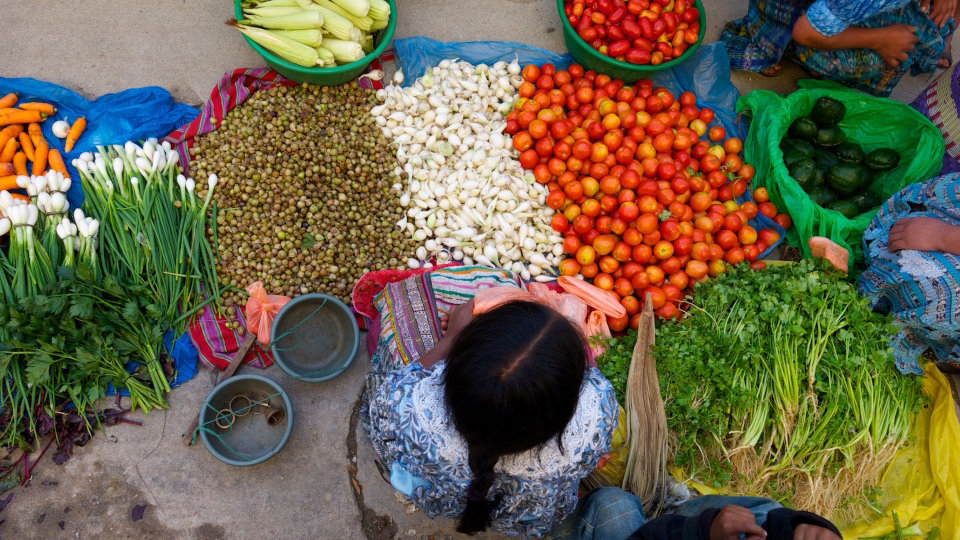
(250, 439)
(330, 76)
(314, 337)
(590, 58)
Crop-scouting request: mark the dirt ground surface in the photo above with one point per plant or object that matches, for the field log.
(141, 482)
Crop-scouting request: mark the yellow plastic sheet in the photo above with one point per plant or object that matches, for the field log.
(922, 484)
(615, 466)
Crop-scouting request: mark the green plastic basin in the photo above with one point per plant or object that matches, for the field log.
(326, 76)
(249, 439)
(591, 58)
(314, 337)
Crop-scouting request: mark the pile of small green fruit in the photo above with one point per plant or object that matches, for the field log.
(834, 171)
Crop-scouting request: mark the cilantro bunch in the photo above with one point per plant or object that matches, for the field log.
(782, 383)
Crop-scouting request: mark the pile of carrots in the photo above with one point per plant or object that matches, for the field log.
(22, 140)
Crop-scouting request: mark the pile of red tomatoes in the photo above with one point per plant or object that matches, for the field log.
(644, 189)
(636, 31)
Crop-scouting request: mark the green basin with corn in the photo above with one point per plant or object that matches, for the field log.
(326, 76)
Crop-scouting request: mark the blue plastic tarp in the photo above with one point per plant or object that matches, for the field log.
(134, 114)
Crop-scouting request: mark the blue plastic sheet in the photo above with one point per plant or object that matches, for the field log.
(706, 73)
(418, 53)
(134, 114)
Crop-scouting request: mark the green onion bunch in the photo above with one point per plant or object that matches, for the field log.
(153, 225)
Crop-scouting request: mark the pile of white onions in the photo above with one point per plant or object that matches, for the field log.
(466, 195)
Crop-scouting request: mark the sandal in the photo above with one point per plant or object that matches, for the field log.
(946, 60)
(772, 71)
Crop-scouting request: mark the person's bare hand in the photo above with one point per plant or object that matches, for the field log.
(919, 233)
(941, 11)
(896, 42)
(458, 317)
(812, 532)
(733, 521)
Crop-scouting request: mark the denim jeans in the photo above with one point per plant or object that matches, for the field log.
(613, 514)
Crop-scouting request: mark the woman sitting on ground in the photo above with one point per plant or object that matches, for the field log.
(912, 251)
(864, 44)
(498, 422)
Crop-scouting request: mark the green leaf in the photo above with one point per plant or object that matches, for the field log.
(308, 241)
(112, 286)
(131, 310)
(38, 369)
(82, 307)
(83, 272)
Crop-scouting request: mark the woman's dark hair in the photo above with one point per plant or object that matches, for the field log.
(512, 383)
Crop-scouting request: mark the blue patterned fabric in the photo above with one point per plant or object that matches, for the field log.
(414, 436)
(920, 288)
(764, 37)
(830, 17)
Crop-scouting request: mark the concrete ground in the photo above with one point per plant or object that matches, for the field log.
(323, 484)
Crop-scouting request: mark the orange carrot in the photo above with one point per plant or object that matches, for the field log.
(8, 182)
(75, 131)
(5, 110)
(39, 106)
(27, 145)
(9, 132)
(9, 150)
(8, 100)
(56, 162)
(20, 164)
(20, 117)
(24, 198)
(36, 133)
(6, 169)
(40, 161)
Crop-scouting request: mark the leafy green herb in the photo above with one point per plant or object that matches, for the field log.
(614, 363)
(780, 383)
(69, 343)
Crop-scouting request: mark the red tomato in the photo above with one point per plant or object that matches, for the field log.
(560, 223)
(783, 220)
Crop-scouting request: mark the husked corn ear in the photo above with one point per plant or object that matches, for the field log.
(379, 10)
(360, 8)
(344, 51)
(362, 23)
(294, 21)
(310, 37)
(284, 47)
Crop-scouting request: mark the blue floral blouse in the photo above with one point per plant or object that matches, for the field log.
(415, 438)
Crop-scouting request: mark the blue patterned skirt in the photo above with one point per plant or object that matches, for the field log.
(763, 38)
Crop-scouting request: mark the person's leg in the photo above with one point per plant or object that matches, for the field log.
(605, 514)
(757, 41)
(758, 505)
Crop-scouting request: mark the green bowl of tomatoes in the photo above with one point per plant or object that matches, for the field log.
(639, 37)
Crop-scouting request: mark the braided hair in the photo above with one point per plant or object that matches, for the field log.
(512, 383)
